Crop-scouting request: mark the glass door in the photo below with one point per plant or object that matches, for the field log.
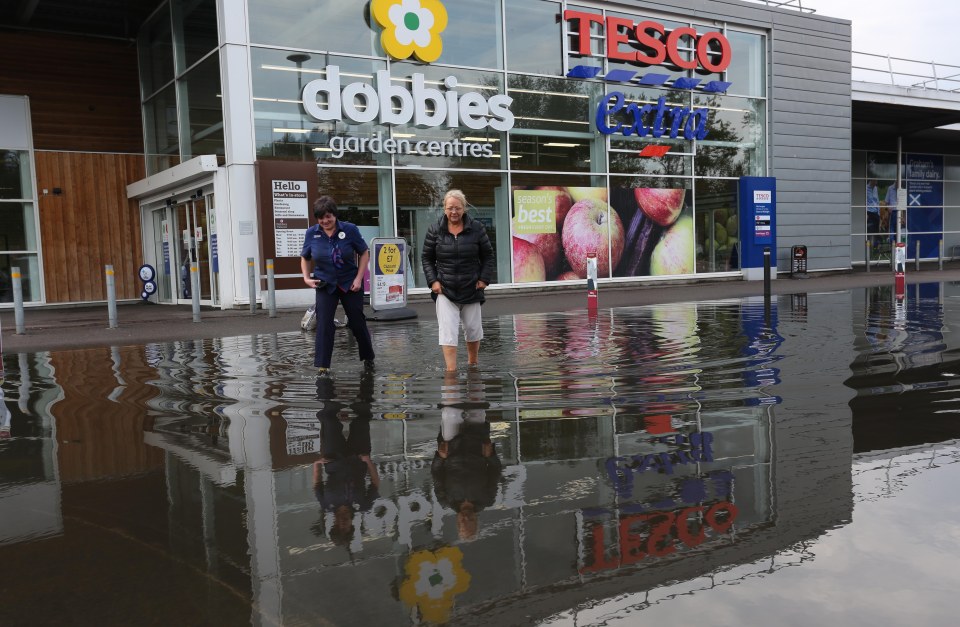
(191, 235)
(162, 242)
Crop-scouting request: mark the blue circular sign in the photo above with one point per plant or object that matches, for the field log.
(147, 273)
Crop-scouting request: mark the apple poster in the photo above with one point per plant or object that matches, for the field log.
(658, 232)
(556, 228)
(640, 232)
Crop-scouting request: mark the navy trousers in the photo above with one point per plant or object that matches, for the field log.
(326, 308)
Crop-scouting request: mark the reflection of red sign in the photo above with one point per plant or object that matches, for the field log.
(657, 534)
(656, 44)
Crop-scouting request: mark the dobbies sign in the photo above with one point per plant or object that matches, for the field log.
(410, 28)
(391, 104)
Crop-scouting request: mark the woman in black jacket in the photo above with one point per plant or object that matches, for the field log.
(459, 263)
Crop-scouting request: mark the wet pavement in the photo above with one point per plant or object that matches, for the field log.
(715, 459)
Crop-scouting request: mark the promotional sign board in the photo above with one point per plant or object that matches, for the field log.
(758, 211)
(290, 216)
(388, 268)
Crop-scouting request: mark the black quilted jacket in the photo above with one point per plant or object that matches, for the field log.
(458, 261)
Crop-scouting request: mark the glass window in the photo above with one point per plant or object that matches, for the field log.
(734, 144)
(717, 225)
(440, 146)
(282, 127)
(18, 230)
(534, 36)
(314, 25)
(29, 276)
(473, 36)
(15, 180)
(363, 197)
(597, 45)
(747, 71)
(196, 25)
(420, 202)
(204, 110)
(546, 152)
(553, 103)
(155, 48)
(160, 119)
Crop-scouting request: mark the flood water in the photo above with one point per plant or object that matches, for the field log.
(716, 462)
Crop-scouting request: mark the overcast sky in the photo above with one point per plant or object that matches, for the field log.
(922, 30)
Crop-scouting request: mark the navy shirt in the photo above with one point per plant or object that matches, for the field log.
(334, 258)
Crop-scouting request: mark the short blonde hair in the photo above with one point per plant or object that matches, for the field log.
(458, 195)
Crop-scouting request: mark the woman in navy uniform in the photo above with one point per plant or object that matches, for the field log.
(333, 261)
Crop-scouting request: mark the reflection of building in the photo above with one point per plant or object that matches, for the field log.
(191, 119)
(904, 376)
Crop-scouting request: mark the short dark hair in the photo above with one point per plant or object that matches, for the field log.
(324, 205)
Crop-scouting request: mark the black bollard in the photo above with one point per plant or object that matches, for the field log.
(766, 271)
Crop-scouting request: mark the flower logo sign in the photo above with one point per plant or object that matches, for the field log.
(432, 579)
(411, 27)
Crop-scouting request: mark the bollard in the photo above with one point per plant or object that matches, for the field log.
(252, 279)
(940, 247)
(916, 257)
(17, 299)
(766, 272)
(195, 290)
(111, 297)
(867, 257)
(271, 289)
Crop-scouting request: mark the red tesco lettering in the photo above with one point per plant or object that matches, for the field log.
(656, 45)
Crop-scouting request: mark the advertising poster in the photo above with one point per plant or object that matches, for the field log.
(924, 193)
(290, 217)
(555, 228)
(657, 234)
(636, 232)
(388, 287)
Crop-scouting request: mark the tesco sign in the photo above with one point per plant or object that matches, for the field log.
(649, 42)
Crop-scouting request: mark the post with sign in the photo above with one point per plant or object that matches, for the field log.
(592, 283)
(388, 279)
(899, 269)
(758, 224)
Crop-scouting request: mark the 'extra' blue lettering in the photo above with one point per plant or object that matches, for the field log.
(691, 122)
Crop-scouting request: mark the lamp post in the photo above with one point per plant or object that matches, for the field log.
(300, 58)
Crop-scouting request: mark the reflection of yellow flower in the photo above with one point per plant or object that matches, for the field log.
(432, 579)
(410, 27)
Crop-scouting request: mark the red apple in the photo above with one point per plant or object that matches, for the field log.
(569, 275)
(563, 204)
(590, 224)
(663, 206)
(550, 249)
(579, 193)
(674, 253)
(527, 262)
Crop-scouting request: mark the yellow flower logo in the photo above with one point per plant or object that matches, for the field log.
(432, 579)
(411, 27)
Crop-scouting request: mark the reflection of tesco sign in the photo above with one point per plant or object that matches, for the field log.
(649, 43)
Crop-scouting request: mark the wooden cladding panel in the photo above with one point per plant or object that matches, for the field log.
(84, 92)
(89, 225)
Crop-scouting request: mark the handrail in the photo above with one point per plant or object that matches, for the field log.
(906, 73)
(887, 70)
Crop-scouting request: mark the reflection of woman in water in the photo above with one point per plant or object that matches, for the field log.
(340, 475)
(465, 468)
